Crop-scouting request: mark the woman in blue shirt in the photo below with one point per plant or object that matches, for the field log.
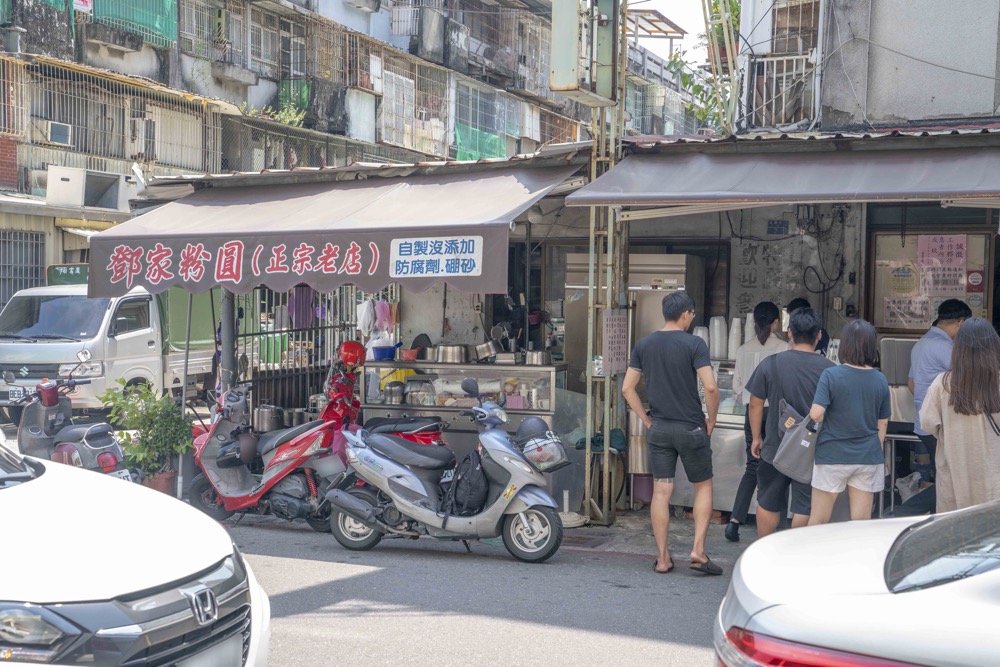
(852, 404)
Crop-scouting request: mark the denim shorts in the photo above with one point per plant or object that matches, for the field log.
(669, 441)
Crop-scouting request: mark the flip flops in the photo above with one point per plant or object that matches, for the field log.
(708, 567)
(657, 562)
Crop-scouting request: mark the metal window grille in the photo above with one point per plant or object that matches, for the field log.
(796, 23)
(364, 62)
(782, 90)
(413, 112)
(327, 49)
(197, 31)
(405, 16)
(155, 20)
(264, 43)
(534, 55)
(293, 50)
(81, 119)
(484, 118)
(22, 262)
(492, 34)
(556, 129)
(293, 338)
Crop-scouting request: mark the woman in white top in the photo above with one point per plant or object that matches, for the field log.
(766, 321)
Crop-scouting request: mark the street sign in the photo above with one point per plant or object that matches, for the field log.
(67, 274)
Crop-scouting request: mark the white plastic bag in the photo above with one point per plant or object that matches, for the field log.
(382, 339)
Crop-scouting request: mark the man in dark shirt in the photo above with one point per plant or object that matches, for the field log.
(824, 337)
(672, 361)
(792, 376)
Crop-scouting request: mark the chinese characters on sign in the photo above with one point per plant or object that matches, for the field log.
(941, 250)
(439, 257)
(615, 339)
(906, 313)
(228, 264)
(943, 281)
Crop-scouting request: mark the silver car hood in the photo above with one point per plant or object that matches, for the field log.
(73, 535)
(825, 586)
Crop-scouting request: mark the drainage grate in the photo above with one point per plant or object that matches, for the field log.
(583, 541)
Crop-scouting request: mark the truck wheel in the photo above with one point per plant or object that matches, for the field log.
(202, 495)
(14, 413)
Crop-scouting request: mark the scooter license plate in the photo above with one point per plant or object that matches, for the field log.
(15, 393)
(121, 474)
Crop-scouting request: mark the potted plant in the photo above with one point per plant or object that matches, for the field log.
(154, 432)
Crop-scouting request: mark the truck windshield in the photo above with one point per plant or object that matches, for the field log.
(53, 316)
(944, 548)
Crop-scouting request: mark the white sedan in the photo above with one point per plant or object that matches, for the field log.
(98, 571)
(888, 593)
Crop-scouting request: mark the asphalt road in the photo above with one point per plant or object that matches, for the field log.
(431, 603)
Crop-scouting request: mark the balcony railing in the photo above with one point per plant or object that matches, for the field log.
(781, 90)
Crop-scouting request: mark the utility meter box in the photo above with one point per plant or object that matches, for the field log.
(584, 53)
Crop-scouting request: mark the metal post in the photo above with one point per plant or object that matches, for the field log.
(184, 384)
(228, 336)
(527, 284)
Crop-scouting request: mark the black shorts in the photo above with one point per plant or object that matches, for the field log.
(670, 440)
(772, 491)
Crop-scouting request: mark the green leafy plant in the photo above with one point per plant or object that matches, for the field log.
(705, 106)
(289, 113)
(155, 430)
(734, 12)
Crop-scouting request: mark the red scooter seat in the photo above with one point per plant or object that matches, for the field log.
(274, 439)
(411, 454)
(403, 425)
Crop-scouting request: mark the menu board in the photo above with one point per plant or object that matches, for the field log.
(914, 273)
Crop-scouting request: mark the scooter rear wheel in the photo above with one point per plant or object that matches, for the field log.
(320, 524)
(537, 540)
(351, 533)
(203, 496)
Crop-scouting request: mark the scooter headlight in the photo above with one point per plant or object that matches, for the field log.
(500, 414)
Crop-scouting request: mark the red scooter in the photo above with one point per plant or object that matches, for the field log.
(286, 473)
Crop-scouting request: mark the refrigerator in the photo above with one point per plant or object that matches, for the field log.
(651, 277)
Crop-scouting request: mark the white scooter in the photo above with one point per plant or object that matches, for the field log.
(404, 495)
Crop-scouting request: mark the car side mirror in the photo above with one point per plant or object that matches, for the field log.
(8, 377)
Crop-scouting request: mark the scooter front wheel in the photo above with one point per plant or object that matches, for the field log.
(533, 536)
(203, 496)
(351, 533)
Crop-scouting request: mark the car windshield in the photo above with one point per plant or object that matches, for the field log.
(52, 317)
(944, 548)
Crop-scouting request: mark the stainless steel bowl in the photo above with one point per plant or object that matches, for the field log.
(451, 354)
(486, 350)
(267, 418)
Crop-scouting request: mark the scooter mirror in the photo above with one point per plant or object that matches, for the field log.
(503, 399)
(84, 355)
(470, 387)
(8, 377)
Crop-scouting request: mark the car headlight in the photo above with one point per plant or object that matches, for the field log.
(500, 414)
(87, 369)
(31, 634)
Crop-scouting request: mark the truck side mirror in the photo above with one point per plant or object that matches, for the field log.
(121, 324)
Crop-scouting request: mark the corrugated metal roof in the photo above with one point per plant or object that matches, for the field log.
(553, 155)
(940, 130)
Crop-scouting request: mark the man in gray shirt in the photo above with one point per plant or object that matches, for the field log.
(930, 357)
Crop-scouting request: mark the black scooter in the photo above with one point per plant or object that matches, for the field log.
(47, 430)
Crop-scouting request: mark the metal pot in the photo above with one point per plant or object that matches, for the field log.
(299, 416)
(267, 418)
(427, 354)
(317, 403)
(537, 358)
(486, 350)
(393, 393)
(286, 418)
(451, 354)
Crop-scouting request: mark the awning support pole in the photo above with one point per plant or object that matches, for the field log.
(527, 284)
(228, 336)
(184, 384)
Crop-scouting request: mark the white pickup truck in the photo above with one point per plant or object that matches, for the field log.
(138, 337)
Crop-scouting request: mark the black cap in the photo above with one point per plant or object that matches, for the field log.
(953, 309)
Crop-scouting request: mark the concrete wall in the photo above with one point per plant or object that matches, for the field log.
(949, 70)
(427, 312)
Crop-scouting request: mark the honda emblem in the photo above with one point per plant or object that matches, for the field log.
(205, 606)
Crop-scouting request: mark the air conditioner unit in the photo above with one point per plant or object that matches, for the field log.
(67, 186)
(59, 133)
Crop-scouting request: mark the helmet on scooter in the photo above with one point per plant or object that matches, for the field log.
(352, 353)
(531, 427)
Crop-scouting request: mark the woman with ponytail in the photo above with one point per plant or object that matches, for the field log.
(766, 321)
